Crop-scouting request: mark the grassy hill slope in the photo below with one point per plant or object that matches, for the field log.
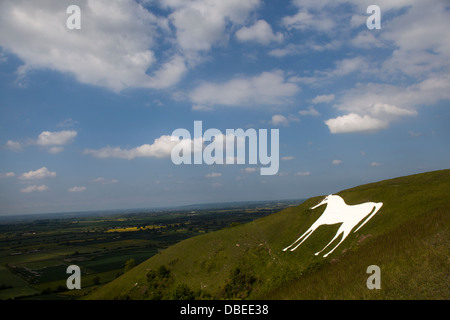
(408, 240)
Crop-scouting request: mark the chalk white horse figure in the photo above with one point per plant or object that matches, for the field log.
(337, 211)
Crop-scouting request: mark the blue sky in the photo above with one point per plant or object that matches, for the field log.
(84, 114)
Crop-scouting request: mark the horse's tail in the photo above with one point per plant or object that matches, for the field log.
(377, 206)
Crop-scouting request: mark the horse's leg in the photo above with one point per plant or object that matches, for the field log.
(306, 237)
(306, 234)
(373, 212)
(346, 232)
(338, 233)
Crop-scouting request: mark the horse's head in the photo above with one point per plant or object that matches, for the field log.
(324, 201)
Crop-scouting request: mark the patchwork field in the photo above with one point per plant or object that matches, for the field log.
(36, 251)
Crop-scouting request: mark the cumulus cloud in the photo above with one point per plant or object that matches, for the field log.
(201, 24)
(7, 175)
(268, 88)
(105, 181)
(29, 189)
(119, 44)
(260, 32)
(58, 138)
(77, 189)
(366, 39)
(325, 98)
(371, 107)
(418, 52)
(349, 65)
(161, 148)
(37, 174)
(52, 141)
(304, 20)
(113, 49)
(69, 122)
(214, 175)
(14, 145)
(336, 162)
(169, 74)
(355, 123)
(320, 15)
(310, 112)
(280, 120)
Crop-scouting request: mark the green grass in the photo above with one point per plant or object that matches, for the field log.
(407, 239)
(413, 259)
(19, 286)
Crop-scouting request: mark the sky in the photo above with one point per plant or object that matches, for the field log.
(86, 114)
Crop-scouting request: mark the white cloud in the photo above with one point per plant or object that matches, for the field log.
(261, 32)
(58, 138)
(249, 170)
(113, 49)
(387, 110)
(268, 88)
(55, 150)
(77, 189)
(161, 148)
(326, 15)
(13, 145)
(169, 74)
(67, 123)
(55, 140)
(418, 52)
(29, 189)
(304, 20)
(375, 164)
(214, 175)
(38, 174)
(199, 107)
(371, 107)
(336, 162)
(323, 98)
(350, 65)
(200, 24)
(296, 49)
(279, 120)
(7, 175)
(52, 141)
(302, 173)
(119, 45)
(310, 112)
(287, 158)
(288, 50)
(3, 57)
(355, 123)
(358, 20)
(366, 39)
(105, 181)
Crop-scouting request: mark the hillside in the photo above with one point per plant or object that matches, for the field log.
(407, 239)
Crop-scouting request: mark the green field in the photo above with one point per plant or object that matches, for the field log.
(36, 251)
(408, 239)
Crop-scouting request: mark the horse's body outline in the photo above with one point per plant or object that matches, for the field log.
(337, 211)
